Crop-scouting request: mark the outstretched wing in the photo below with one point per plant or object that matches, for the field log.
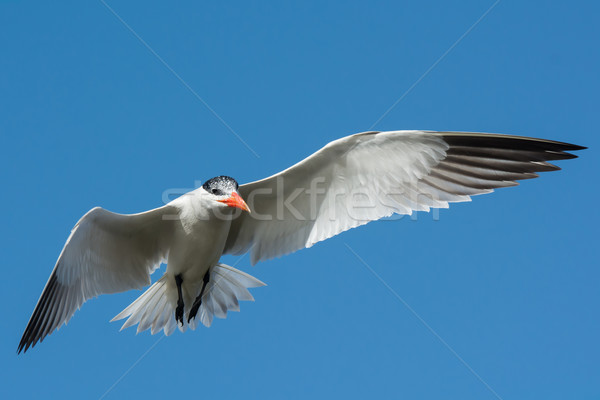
(105, 253)
(371, 175)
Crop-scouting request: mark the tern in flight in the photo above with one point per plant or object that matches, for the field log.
(349, 182)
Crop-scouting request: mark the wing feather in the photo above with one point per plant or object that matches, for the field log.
(105, 253)
(371, 175)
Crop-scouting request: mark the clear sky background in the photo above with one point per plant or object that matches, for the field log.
(510, 283)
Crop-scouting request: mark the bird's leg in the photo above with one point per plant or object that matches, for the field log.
(198, 301)
(179, 309)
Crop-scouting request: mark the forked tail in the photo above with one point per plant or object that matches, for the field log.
(155, 308)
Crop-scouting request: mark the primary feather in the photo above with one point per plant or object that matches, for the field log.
(349, 182)
(399, 172)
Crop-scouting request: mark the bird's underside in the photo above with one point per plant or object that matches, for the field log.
(398, 172)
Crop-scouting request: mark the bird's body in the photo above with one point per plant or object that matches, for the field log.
(349, 182)
(198, 238)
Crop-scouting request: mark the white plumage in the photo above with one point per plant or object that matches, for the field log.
(152, 309)
(349, 182)
(401, 172)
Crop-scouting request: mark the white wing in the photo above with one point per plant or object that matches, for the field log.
(371, 175)
(105, 253)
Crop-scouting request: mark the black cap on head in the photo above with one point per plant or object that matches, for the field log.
(221, 185)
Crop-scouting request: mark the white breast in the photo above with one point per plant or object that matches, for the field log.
(199, 236)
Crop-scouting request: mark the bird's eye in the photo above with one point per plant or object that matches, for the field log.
(216, 192)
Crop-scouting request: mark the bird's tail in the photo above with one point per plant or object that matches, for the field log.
(155, 308)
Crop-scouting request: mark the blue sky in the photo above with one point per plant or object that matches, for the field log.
(509, 283)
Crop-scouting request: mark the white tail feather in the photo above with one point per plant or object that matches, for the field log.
(226, 286)
(154, 309)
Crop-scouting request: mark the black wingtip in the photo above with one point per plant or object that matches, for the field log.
(569, 146)
(24, 344)
(36, 327)
(502, 140)
(576, 147)
(22, 348)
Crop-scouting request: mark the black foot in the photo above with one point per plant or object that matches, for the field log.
(179, 309)
(179, 313)
(198, 301)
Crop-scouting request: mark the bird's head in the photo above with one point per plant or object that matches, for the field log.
(224, 189)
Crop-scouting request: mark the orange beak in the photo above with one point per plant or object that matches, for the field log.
(235, 201)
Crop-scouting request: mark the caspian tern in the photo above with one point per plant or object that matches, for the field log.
(349, 182)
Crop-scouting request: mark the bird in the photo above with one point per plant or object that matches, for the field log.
(347, 183)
